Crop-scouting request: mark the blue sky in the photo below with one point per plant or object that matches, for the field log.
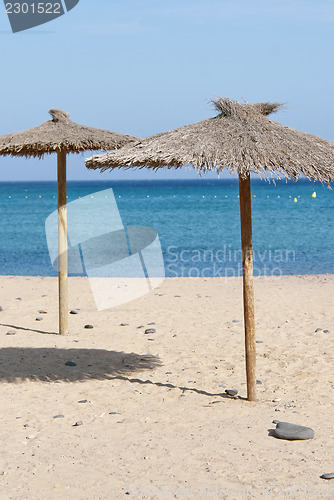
(146, 66)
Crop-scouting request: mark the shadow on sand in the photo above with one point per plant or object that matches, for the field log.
(15, 327)
(49, 364)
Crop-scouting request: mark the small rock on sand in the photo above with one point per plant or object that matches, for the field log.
(11, 332)
(73, 311)
(150, 330)
(70, 363)
(318, 330)
(39, 319)
(292, 432)
(330, 475)
(231, 392)
(89, 327)
(41, 311)
(79, 422)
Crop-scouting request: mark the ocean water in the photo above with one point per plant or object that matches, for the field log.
(197, 222)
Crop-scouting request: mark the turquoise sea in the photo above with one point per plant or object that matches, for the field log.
(197, 222)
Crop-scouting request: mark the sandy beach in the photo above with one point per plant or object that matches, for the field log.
(156, 422)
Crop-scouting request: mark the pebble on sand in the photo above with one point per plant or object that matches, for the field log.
(79, 422)
(59, 416)
(231, 392)
(73, 311)
(39, 319)
(292, 432)
(11, 332)
(124, 324)
(70, 363)
(41, 311)
(150, 330)
(89, 327)
(330, 475)
(83, 401)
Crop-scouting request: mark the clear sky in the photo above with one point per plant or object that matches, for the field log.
(146, 66)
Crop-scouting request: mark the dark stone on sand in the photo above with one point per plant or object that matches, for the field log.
(73, 311)
(326, 331)
(59, 416)
(70, 363)
(231, 392)
(114, 413)
(259, 382)
(89, 327)
(124, 324)
(259, 341)
(83, 401)
(329, 475)
(235, 320)
(39, 319)
(292, 432)
(150, 330)
(141, 326)
(41, 311)
(318, 330)
(153, 323)
(11, 332)
(79, 422)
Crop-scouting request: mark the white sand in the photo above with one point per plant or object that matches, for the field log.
(174, 430)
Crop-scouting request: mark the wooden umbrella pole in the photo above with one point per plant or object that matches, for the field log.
(62, 242)
(248, 287)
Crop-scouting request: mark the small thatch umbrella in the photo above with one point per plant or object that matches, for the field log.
(60, 135)
(243, 140)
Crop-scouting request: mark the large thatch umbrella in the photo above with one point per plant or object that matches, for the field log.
(243, 140)
(60, 135)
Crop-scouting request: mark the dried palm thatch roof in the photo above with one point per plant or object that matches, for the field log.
(241, 138)
(57, 134)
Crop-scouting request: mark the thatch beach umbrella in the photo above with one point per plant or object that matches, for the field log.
(242, 139)
(62, 136)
